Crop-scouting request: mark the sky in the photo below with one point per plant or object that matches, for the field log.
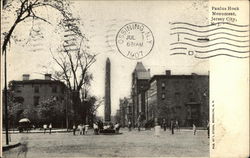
(101, 21)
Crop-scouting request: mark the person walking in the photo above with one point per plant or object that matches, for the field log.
(74, 129)
(129, 125)
(139, 123)
(177, 125)
(164, 124)
(157, 129)
(95, 126)
(172, 126)
(23, 149)
(117, 127)
(208, 125)
(44, 128)
(81, 129)
(194, 129)
(50, 128)
(86, 129)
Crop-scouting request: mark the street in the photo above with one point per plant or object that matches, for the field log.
(129, 144)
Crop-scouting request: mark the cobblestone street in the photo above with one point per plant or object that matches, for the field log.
(134, 143)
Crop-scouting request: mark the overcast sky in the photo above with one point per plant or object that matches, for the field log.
(101, 22)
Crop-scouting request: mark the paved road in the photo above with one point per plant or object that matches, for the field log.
(134, 143)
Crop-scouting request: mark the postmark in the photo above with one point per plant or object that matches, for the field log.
(135, 40)
(210, 41)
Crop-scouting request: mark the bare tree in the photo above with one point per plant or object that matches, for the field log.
(28, 9)
(23, 10)
(74, 60)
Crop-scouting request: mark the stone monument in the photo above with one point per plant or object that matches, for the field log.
(107, 108)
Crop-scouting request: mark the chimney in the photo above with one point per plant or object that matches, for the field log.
(47, 76)
(168, 72)
(26, 77)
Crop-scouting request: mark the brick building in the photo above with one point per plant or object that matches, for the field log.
(33, 91)
(30, 93)
(178, 97)
(140, 83)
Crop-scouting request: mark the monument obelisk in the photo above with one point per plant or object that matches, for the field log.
(107, 108)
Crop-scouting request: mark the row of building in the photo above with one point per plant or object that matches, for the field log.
(182, 98)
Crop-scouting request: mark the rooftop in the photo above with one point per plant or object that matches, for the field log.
(37, 81)
(192, 76)
(141, 72)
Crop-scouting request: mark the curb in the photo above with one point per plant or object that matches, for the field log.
(8, 147)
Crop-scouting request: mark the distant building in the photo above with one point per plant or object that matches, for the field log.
(140, 83)
(125, 111)
(179, 97)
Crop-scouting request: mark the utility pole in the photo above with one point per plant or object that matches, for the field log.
(6, 99)
(67, 120)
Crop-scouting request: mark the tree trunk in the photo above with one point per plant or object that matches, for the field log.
(76, 104)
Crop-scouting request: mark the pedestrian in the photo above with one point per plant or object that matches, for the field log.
(81, 129)
(177, 125)
(50, 128)
(95, 126)
(139, 122)
(164, 124)
(129, 125)
(74, 129)
(86, 129)
(44, 128)
(117, 128)
(208, 125)
(194, 129)
(172, 126)
(157, 129)
(139, 127)
(23, 147)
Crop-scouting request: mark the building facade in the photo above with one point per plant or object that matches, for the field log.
(125, 111)
(30, 93)
(140, 83)
(184, 98)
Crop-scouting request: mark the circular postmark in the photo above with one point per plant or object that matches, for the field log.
(135, 40)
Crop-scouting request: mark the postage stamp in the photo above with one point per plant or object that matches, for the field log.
(135, 40)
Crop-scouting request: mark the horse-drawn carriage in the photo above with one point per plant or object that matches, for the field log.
(24, 125)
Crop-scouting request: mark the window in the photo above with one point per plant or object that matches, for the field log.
(36, 100)
(18, 100)
(163, 96)
(54, 89)
(177, 93)
(62, 89)
(36, 89)
(177, 97)
(176, 85)
(191, 97)
(163, 85)
(18, 89)
(61, 99)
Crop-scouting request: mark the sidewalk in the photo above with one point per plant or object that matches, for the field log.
(16, 144)
(39, 131)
